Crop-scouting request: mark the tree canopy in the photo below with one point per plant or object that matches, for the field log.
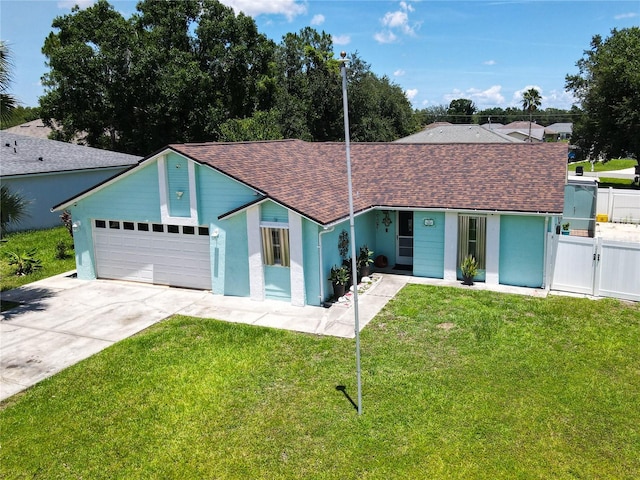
(195, 71)
(608, 87)
(7, 101)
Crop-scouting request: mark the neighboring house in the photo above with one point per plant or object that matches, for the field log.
(263, 219)
(450, 133)
(45, 172)
(561, 131)
(520, 130)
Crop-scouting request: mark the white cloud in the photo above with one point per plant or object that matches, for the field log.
(624, 16)
(385, 37)
(411, 93)
(399, 73)
(69, 4)
(341, 39)
(481, 98)
(489, 62)
(397, 21)
(253, 8)
(317, 19)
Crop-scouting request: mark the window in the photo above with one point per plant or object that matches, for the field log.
(173, 229)
(158, 227)
(188, 230)
(275, 246)
(203, 230)
(472, 238)
(127, 225)
(114, 224)
(143, 227)
(101, 224)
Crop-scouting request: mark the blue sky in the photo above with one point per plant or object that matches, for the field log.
(486, 50)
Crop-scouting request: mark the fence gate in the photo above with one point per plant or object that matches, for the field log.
(593, 266)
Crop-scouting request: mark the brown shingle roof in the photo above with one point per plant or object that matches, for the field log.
(311, 178)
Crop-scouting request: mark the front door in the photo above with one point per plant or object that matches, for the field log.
(404, 254)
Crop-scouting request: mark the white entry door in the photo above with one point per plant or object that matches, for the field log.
(404, 253)
(153, 253)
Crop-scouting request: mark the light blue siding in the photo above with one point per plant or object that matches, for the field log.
(277, 282)
(178, 181)
(521, 250)
(310, 232)
(272, 212)
(428, 245)
(386, 238)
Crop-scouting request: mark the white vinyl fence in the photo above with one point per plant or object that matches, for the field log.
(594, 266)
(619, 205)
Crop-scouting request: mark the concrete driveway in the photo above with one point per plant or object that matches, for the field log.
(62, 320)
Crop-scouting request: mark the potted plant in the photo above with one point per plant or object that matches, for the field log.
(565, 228)
(364, 260)
(469, 268)
(339, 277)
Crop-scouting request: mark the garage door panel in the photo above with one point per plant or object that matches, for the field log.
(164, 258)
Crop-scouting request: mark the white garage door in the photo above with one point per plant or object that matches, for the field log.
(153, 253)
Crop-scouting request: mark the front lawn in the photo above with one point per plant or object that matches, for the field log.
(457, 383)
(44, 242)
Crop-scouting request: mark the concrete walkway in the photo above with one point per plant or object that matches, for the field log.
(62, 320)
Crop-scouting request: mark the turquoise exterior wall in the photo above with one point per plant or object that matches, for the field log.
(428, 245)
(178, 181)
(386, 237)
(521, 250)
(310, 252)
(277, 282)
(272, 212)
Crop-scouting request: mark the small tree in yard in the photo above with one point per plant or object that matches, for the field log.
(13, 208)
(67, 222)
(23, 262)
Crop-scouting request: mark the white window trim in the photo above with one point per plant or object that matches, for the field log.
(192, 219)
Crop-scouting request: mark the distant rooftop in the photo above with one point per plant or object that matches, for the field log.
(23, 155)
(450, 133)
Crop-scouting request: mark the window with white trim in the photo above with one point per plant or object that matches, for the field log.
(275, 246)
(472, 238)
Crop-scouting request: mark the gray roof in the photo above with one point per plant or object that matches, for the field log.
(561, 127)
(23, 155)
(458, 134)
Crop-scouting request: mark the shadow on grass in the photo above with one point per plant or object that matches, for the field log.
(343, 389)
(22, 300)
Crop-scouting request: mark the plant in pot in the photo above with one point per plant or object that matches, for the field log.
(364, 261)
(339, 277)
(565, 228)
(469, 267)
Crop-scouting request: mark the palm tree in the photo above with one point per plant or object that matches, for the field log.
(531, 100)
(7, 101)
(13, 208)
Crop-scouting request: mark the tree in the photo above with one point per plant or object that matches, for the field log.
(7, 101)
(607, 86)
(13, 208)
(461, 110)
(173, 72)
(531, 100)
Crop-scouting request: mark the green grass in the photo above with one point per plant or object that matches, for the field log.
(616, 183)
(613, 164)
(513, 388)
(44, 241)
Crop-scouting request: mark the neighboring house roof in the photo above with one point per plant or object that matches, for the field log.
(37, 128)
(449, 133)
(24, 155)
(561, 127)
(311, 178)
